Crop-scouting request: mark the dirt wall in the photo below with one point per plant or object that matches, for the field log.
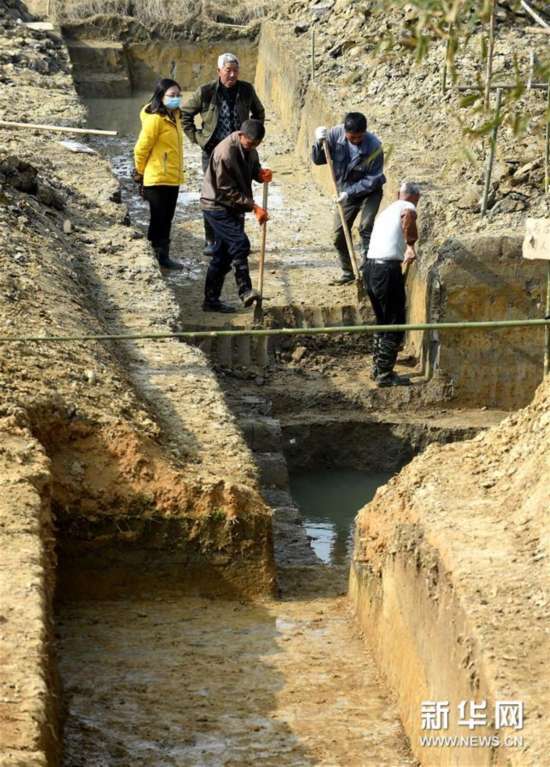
(28, 681)
(107, 68)
(486, 278)
(448, 581)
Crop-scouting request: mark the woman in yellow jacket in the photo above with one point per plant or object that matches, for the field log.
(158, 157)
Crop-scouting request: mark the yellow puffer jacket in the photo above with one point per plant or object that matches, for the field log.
(158, 154)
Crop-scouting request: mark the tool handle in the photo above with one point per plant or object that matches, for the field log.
(263, 242)
(345, 227)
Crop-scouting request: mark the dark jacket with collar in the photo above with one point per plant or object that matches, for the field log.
(227, 183)
(360, 176)
(205, 101)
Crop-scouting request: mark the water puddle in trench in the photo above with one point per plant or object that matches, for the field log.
(329, 501)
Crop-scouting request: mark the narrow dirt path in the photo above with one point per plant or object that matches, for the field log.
(199, 683)
(300, 260)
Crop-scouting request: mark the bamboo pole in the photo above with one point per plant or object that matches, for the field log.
(489, 70)
(345, 227)
(194, 334)
(491, 158)
(58, 128)
(447, 46)
(547, 144)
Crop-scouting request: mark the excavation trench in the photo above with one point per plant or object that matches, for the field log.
(153, 679)
(165, 680)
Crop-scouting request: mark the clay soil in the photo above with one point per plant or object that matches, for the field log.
(209, 683)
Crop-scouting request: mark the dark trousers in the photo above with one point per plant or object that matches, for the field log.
(208, 231)
(231, 247)
(162, 203)
(386, 289)
(368, 208)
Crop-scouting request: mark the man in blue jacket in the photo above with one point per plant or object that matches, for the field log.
(358, 166)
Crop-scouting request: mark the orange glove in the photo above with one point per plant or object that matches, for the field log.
(261, 214)
(265, 175)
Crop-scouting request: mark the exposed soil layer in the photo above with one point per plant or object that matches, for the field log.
(464, 584)
(29, 692)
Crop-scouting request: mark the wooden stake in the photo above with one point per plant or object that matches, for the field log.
(313, 53)
(489, 70)
(547, 329)
(547, 145)
(491, 159)
(447, 46)
(58, 128)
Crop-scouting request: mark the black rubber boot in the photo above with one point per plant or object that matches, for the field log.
(392, 379)
(217, 306)
(344, 279)
(162, 252)
(250, 297)
(375, 353)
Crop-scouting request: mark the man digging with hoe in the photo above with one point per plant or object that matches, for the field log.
(226, 197)
(357, 164)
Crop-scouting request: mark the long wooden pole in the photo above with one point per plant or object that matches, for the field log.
(491, 158)
(58, 128)
(258, 306)
(547, 144)
(345, 227)
(490, 50)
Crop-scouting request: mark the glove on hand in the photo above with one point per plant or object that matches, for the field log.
(261, 214)
(320, 133)
(265, 175)
(342, 197)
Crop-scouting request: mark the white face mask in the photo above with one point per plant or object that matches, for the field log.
(172, 102)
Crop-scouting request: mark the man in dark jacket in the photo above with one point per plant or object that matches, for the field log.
(226, 197)
(223, 106)
(359, 169)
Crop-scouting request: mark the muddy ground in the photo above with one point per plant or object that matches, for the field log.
(287, 682)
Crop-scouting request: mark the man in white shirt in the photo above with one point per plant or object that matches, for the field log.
(392, 243)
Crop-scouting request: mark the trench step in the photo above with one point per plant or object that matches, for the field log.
(102, 85)
(305, 316)
(237, 352)
(93, 56)
(273, 469)
(261, 434)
